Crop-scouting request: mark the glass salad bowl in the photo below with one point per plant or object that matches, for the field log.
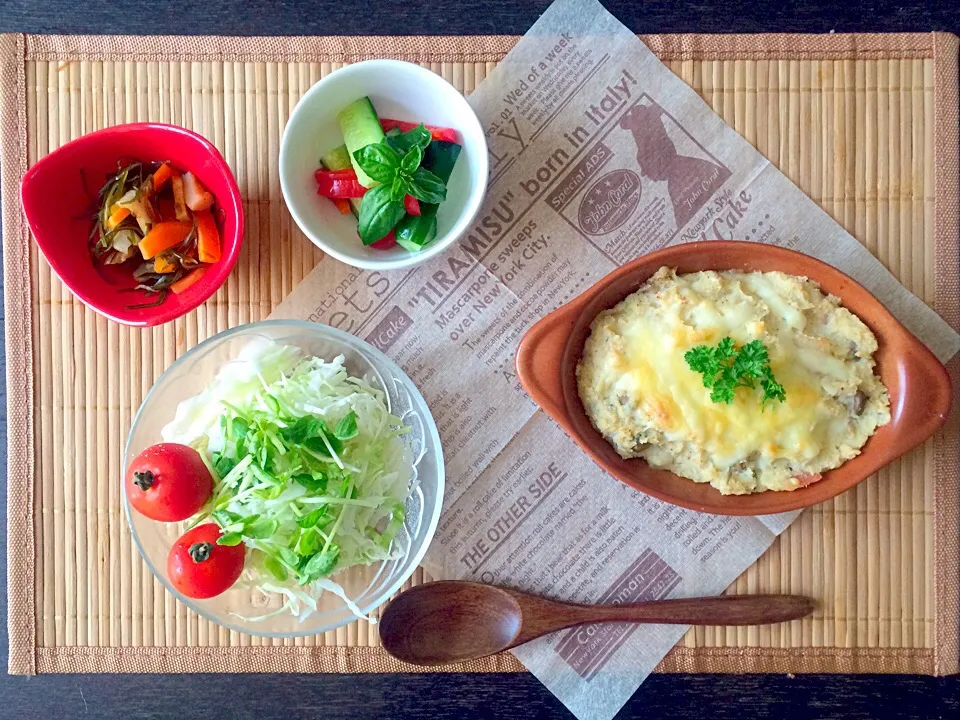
(367, 586)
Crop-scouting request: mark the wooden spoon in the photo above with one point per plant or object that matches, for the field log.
(453, 621)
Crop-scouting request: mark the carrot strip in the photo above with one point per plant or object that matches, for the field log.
(208, 239)
(343, 205)
(162, 265)
(187, 281)
(163, 236)
(163, 173)
(117, 216)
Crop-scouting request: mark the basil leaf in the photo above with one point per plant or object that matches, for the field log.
(347, 427)
(320, 564)
(398, 189)
(422, 135)
(379, 161)
(230, 539)
(411, 161)
(403, 142)
(275, 567)
(426, 187)
(379, 212)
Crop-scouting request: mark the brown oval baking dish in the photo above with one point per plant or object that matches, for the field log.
(919, 386)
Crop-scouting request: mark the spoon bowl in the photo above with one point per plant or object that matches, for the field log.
(446, 622)
(455, 621)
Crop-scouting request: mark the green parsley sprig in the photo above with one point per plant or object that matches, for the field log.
(725, 368)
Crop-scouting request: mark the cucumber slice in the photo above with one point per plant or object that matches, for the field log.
(339, 159)
(360, 127)
(414, 232)
(440, 157)
(336, 159)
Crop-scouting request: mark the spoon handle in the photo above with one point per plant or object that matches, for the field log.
(723, 610)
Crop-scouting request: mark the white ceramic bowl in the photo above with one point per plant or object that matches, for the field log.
(401, 91)
(368, 586)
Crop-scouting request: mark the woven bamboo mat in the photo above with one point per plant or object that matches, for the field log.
(866, 125)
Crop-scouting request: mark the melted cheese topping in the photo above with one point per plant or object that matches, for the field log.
(640, 392)
(657, 374)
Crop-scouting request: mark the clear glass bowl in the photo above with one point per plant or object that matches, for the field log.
(368, 586)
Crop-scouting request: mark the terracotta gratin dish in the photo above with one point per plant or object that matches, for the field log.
(919, 387)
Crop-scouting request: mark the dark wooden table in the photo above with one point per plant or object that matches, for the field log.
(457, 696)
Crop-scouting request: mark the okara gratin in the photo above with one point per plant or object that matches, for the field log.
(641, 394)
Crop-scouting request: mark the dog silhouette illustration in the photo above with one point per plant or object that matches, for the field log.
(690, 181)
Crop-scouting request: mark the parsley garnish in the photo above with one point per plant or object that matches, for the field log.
(726, 368)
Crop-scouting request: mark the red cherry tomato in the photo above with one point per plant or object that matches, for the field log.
(199, 568)
(168, 482)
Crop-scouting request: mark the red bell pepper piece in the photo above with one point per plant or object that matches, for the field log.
(436, 133)
(338, 184)
(324, 173)
(386, 242)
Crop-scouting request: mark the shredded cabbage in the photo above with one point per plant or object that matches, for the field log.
(311, 473)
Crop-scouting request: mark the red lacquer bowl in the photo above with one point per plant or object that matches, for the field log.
(919, 386)
(56, 194)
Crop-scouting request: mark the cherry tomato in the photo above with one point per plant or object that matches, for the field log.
(168, 482)
(199, 568)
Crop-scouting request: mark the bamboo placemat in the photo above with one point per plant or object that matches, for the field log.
(865, 124)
